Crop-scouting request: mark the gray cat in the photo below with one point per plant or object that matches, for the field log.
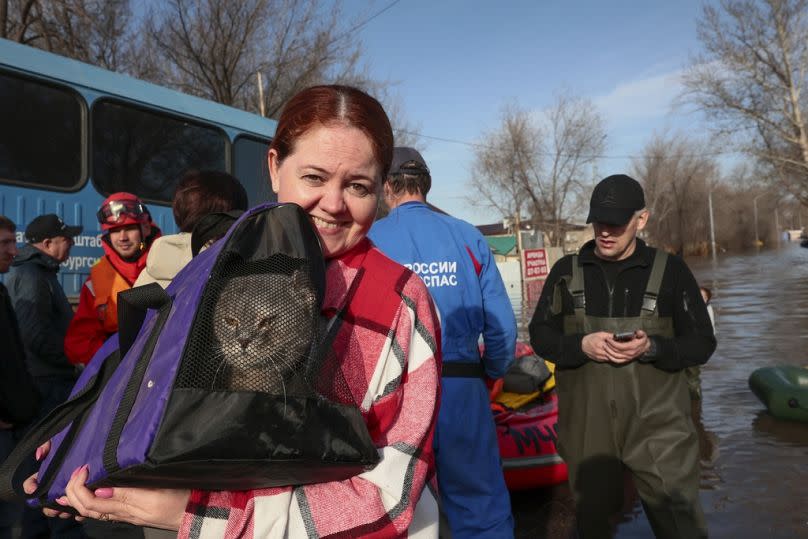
(264, 324)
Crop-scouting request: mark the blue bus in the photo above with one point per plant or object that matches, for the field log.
(71, 134)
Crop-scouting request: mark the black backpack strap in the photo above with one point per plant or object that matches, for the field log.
(20, 463)
(649, 300)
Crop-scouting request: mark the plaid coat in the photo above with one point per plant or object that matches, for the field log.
(389, 338)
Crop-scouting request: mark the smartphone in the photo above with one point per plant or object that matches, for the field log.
(623, 336)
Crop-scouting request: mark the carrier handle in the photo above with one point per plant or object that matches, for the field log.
(132, 307)
(20, 463)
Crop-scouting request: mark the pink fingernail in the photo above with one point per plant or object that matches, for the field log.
(105, 492)
(62, 501)
(38, 453)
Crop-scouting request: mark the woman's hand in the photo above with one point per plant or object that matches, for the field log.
(157, 508)
(31, 484)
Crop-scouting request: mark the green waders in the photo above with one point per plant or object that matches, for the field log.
(633, 415)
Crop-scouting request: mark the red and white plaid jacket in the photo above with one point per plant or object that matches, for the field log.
(390, 341)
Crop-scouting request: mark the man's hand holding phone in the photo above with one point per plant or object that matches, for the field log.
(625, 347)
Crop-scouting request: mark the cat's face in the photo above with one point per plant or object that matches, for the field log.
(265, 321)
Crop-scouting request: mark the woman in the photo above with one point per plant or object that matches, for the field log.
(198, 193)
(332, 148)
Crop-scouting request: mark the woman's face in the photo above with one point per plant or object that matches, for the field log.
(333, 175)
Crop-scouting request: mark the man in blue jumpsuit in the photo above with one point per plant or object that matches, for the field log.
(455, 262)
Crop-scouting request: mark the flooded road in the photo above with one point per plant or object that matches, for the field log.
(754, 479)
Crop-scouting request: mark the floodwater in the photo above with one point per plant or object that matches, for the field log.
(754, 477)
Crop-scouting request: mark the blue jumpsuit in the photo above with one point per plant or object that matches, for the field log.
(455, 262)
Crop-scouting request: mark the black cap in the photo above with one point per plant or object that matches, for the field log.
(49, 226)
(408, 160)
(615, 199)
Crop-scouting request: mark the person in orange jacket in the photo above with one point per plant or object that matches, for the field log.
(128, 234)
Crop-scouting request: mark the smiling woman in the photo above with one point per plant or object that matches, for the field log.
(332, 147)
(334, 177)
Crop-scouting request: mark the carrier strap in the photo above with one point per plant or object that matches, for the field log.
(132, 307)
(154, 297)
(20, 463)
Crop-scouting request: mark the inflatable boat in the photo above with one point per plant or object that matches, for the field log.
(527, 444)
(526, 423)
(783, 390)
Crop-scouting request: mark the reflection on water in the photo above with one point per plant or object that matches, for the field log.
(754, 480)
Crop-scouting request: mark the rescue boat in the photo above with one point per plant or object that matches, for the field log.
(783, 389)
(526, 433)
(527, 444)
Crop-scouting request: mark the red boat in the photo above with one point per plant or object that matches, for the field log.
(527, 436)
(527, 443)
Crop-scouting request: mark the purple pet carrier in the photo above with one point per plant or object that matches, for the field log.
(158, 406)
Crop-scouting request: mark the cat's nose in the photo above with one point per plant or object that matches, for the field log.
(244, 343)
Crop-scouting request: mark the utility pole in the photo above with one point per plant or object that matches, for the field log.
(777, 225)
(757, 236)
(712, 222)
(260, 93)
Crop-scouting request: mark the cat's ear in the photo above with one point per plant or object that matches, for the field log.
(302, 284)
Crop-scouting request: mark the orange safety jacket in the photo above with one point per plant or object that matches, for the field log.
(97, 315)
(106, 283)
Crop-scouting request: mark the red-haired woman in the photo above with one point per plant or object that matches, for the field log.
(332, 148)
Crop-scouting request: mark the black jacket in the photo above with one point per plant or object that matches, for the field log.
(19, 399)
(43, 311)
(679, 297)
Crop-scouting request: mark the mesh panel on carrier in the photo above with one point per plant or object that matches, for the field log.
(257, 329)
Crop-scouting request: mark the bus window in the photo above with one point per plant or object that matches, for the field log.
(250, 167)
(41, 134)
(145, 152)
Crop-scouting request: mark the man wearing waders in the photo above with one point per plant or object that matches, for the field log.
(455, 262)
(622, 321)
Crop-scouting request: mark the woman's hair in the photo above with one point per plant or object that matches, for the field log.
(335, 105)
(7, 224)
(201, 192)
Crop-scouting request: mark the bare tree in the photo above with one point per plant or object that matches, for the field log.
(676, 177)
(752, 80)
(210, 48)
(539, 163)
(16, 20)
(215, 48)
(93, 31)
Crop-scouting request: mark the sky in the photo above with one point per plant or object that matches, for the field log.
(455, 64)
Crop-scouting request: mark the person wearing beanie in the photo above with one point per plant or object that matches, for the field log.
(622, 321)
(455, 262)
(128, 233)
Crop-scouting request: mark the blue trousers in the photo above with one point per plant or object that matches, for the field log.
(472, 487)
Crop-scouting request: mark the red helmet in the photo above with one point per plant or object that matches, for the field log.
(121, 209)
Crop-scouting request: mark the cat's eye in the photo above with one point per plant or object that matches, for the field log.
(230, 321)
(264, 322)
